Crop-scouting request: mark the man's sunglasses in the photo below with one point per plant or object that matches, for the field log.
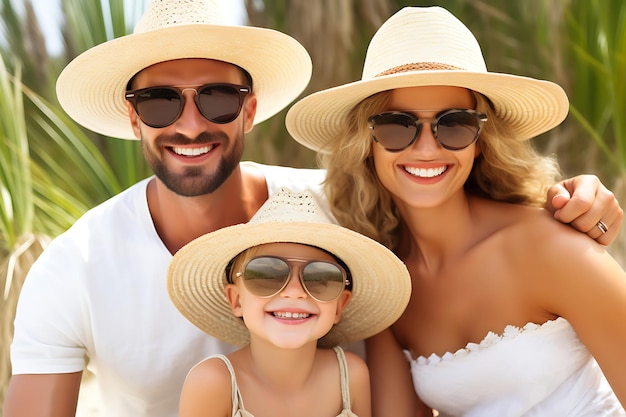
(161, 106)
(454, 129)
(266, 276)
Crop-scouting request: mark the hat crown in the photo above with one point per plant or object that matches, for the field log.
(421, 39)
(166, 13)
(288, 207)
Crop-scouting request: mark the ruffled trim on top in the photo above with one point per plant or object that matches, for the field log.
(491, 339)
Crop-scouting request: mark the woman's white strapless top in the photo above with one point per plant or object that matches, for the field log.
(539, 370)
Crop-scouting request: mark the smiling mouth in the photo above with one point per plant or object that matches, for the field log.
(291, 316)
(426, 172)
(192, 151)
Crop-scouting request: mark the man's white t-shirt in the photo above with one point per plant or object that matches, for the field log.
(99, 291)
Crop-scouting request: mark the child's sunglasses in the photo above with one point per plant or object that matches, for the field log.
(161, 106)
(266, 276)
(454, 129)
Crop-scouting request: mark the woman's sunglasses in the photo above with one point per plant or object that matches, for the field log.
(266, 276)
(454, 129)
(161, 106)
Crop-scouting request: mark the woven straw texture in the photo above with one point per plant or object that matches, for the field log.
(426, 47)
(381, 283)
(91, 88)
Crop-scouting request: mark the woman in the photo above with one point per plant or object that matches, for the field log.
(511, 313)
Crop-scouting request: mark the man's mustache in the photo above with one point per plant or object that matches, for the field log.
(202, 139)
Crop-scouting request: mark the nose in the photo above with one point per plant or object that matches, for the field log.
(294, 288)
(426, 143)
(191, 122)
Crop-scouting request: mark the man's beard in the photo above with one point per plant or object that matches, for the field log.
(194, 181)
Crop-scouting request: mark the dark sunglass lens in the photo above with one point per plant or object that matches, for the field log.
(219, 103)
(265, 276)
(323, 280)
(394, 131)
(457, 130)
(158, 107)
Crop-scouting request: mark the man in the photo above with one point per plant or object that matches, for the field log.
(99, 291)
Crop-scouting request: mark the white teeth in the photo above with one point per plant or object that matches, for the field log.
(426, 173)
(289, 315)
(192, 151)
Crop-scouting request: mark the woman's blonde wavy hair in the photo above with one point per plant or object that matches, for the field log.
(506, 170)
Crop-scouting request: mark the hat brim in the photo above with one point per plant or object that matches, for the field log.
(380, 291)
(91, 88)
(530, 106)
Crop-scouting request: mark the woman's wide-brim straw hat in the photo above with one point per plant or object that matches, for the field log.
(429, 47)
(381, 285)
(91, 88)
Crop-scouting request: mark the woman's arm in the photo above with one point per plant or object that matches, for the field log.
(391, 380)
(578, 280)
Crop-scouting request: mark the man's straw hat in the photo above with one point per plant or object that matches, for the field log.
(91, 88)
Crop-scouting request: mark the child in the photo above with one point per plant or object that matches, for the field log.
(286, 286)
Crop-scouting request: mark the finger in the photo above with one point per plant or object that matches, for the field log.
(580, 210)
(597, 231)
(609, 213)
(557, 197)
(603, 238)
(574, 196)
(558, 201)
(590, 202)
(613, 223)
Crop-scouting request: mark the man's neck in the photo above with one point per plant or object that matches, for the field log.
(178, 219)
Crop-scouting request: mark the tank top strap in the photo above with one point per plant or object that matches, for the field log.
(237, 401)
(345, 380)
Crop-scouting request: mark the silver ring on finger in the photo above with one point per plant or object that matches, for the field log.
(602, 226)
